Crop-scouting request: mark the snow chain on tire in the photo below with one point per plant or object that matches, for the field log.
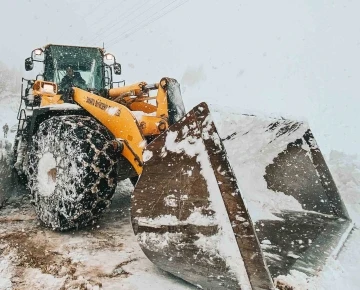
(71, 171)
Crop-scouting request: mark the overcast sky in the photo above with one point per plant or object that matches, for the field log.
(296, 58)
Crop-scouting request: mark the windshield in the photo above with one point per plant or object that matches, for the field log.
(74, 66)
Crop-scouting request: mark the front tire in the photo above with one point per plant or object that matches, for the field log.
(71, 171)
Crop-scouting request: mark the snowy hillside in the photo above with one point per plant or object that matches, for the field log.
(107, 255)
(9, 105)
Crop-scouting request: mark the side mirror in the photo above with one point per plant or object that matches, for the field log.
(29, 64)
(117, 68)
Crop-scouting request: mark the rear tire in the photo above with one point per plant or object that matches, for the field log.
(71, 171)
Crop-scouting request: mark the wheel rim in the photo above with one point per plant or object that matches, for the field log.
(47, 174)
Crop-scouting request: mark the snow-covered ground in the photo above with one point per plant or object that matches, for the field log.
(107, 255)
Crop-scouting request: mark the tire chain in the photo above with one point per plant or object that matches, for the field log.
(82, 191)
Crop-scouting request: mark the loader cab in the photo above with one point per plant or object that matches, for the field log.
(88, 62)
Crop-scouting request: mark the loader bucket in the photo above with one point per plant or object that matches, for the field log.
(192, 220)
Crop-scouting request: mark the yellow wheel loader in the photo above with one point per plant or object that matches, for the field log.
(79, 133)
